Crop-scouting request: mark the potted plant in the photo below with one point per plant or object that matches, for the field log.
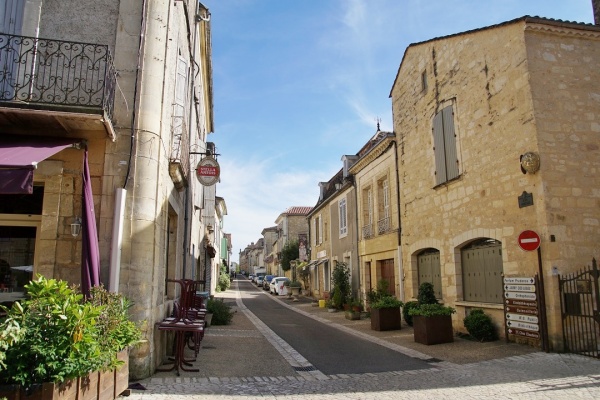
(432, 322)
(64, 342)
(385, 313)
(295, 287)
(353, 311)
(330, 305)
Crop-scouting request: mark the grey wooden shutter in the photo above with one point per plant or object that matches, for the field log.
(438, 146)
(450, 144)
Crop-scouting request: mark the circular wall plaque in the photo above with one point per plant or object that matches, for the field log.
(208, 171)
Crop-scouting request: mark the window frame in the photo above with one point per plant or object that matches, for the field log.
(343, 217)
(445, 146)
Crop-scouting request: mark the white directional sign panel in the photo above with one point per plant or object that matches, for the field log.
(519, 281)
(520, 295)
(519, 288)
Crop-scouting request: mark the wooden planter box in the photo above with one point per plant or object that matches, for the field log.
(98, 385)
(433, 330)
(386, 319)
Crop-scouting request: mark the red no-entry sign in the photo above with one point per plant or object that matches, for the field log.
(529, 240)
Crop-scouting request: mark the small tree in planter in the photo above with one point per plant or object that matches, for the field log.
(341, 285)
(432, 322)
(385, 314)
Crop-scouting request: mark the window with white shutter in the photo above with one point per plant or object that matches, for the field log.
(343, 218)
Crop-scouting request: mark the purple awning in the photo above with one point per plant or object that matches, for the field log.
(90, 251)
(19, 156)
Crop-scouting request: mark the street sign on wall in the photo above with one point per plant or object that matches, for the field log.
(529, 240)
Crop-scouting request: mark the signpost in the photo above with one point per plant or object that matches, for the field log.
(521, 309)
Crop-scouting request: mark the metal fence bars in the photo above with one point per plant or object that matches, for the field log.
(580, 309)
(58, 73)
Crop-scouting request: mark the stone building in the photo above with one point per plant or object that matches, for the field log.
(333, 231)
(135, 107)
(270, 237)
(497, 133)
(375, 178)
(291, 225)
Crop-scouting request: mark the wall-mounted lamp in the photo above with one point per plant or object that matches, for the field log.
(76, 227)
(338, 186)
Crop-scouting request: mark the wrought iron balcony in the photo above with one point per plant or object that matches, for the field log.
(367, 231)
(46, 73)
(383, 225)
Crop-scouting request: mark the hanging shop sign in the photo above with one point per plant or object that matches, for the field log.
(208, 171)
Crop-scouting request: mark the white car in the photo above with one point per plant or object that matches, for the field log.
(259, 280)
(277, 287)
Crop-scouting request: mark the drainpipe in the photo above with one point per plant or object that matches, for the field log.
(400, 263)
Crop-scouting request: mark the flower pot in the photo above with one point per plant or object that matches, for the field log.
(99, 385)
(295, 291)
(352, 315)
(433, 330)
(385, 319)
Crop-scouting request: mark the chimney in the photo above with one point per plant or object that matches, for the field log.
(596, 7)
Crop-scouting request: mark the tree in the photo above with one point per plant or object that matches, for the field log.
(288, 253)
(342, 290)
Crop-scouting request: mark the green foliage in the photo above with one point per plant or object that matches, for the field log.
(426, 294)
(430, 310)
(224, 282)
(406, 309)
(480, 326)
(303, 274)
(342, 291)
(62, 336)
(295, 284)
(387, 302)
(289, 253)
(374, 296)
(222, 314)
(11, 333)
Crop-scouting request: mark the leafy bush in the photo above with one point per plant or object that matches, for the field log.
(222, 314)
(224, 282)
(406, 309)
(431, 310)
(426, 294)
(341, 285)
(295, 284)
(374, 296)
(387, 302)
(62, 336)
(480, 326)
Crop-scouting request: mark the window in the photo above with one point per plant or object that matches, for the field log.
(318, 229)
(383, 206)
(444, 142)
(326, 276)
(367, 213)
(343, 218)
(482, 271)
(424, 81)
(429, 268)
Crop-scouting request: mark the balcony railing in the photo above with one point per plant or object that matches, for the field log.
(383, 225)
(367, 231)
(57, 73)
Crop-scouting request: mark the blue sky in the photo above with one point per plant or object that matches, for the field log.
(299, 83)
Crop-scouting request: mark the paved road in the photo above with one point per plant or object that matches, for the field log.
(327, 349)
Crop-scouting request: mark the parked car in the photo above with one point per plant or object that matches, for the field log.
(277, 287)
(267, 282)
(259, 280)
(251, 277)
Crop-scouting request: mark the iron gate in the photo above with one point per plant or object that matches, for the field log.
(580, 309)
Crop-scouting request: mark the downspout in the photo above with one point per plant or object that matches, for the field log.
(357, 207)
(400, 263)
